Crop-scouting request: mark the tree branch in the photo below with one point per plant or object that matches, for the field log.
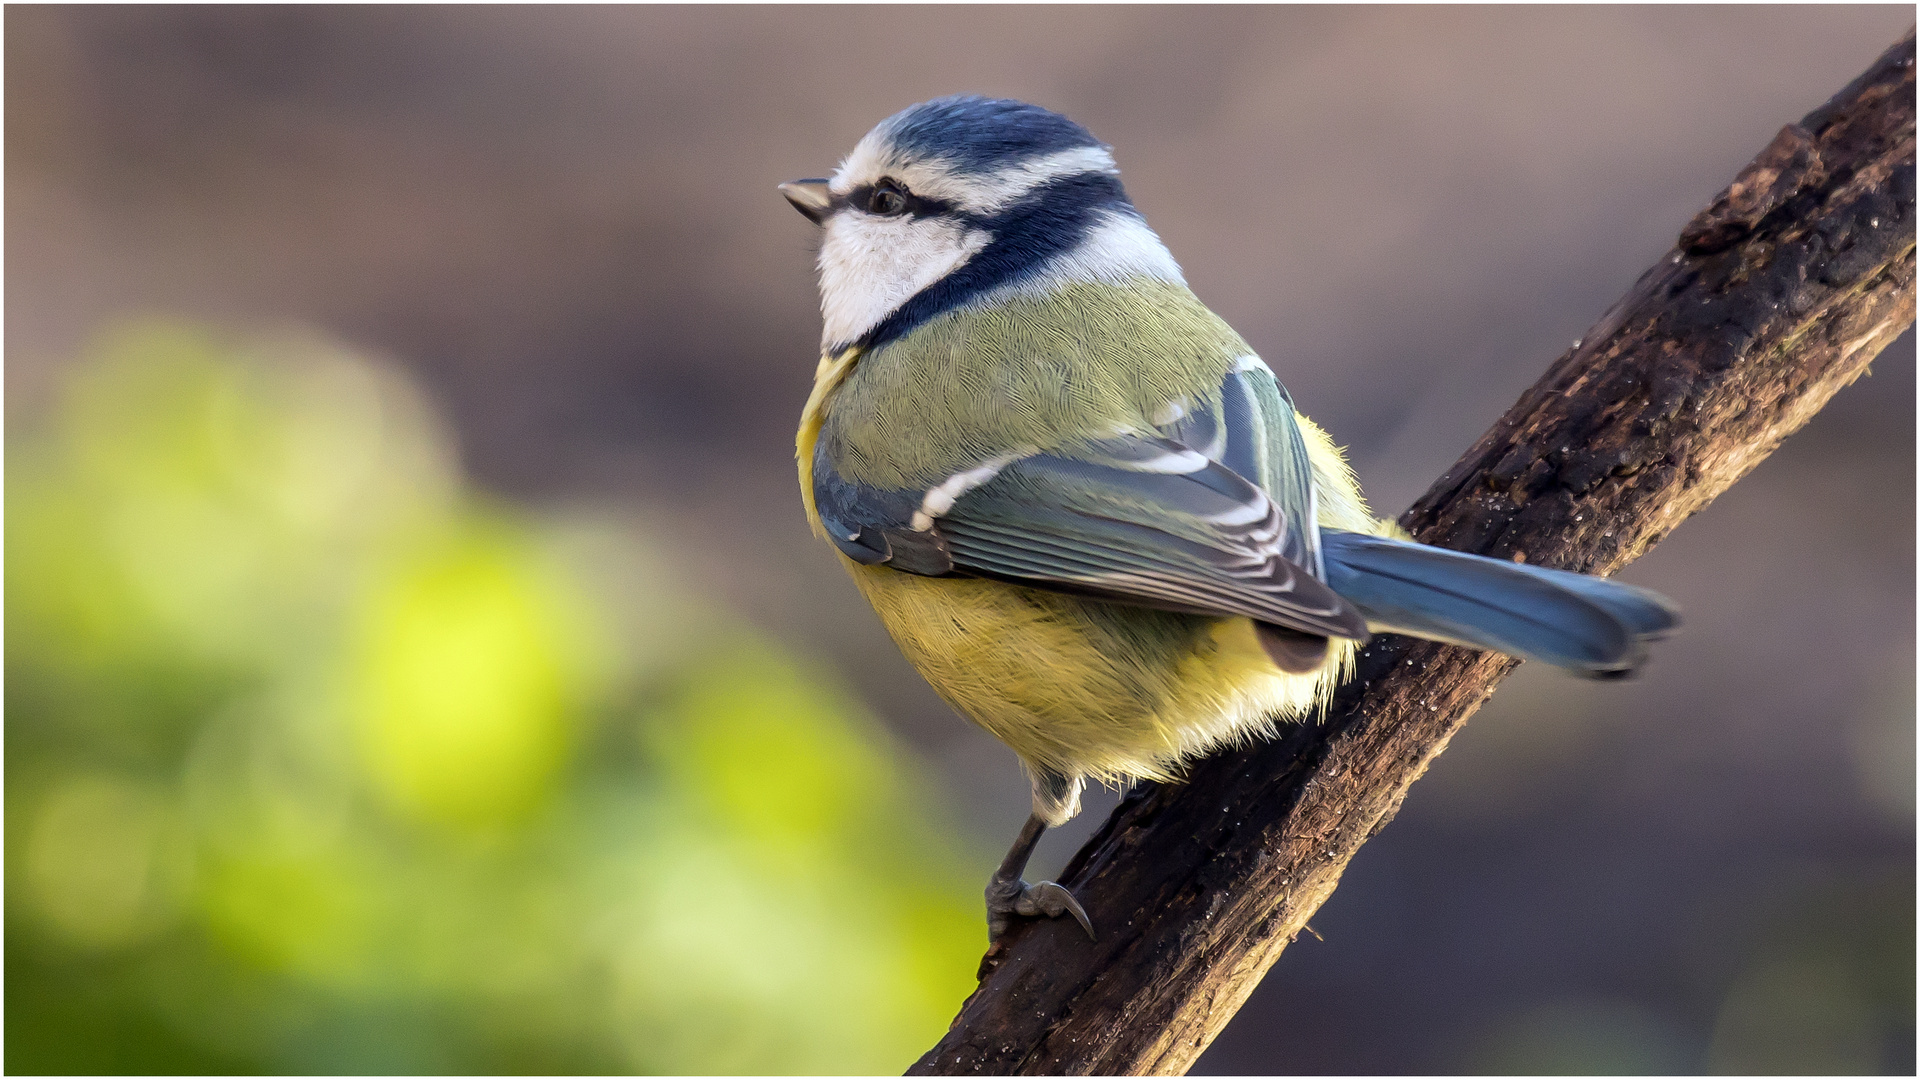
(1779, 293)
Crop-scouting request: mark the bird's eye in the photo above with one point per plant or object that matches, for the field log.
(887, 199)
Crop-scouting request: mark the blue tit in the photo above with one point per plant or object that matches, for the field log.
(1085, 509)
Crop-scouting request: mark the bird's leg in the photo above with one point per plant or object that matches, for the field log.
(1008, 895)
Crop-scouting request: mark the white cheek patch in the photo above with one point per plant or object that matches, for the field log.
(869, 266)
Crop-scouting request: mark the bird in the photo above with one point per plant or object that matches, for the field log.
(1086, 510)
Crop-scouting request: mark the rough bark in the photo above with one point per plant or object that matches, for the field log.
(1776, 296)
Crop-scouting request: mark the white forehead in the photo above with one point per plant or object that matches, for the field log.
(985, 192)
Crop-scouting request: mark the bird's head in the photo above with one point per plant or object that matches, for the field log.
(957, 201)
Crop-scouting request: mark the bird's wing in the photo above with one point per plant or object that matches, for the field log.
(1249, 427)
(1140, 519)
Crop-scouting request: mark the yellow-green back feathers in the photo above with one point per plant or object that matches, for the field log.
(1030, 373)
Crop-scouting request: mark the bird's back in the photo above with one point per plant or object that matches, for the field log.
(1033, 373)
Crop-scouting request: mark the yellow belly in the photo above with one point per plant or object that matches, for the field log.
(1088, 688)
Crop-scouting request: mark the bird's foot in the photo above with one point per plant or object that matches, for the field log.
(1005, 899)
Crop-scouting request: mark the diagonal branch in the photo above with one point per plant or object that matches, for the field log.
(1780, 293)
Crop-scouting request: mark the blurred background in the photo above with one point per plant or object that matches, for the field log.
(417, 660)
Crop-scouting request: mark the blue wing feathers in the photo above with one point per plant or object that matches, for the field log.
(873, 525)
(1244, 450)
(1253, 435)
(1144, 520)
(1179, 541)
(1083, 563)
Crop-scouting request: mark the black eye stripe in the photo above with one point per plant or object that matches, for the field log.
(918, 206)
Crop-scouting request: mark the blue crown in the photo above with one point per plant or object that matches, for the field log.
(975, 134)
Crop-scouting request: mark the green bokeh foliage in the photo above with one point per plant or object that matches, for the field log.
(319, 762)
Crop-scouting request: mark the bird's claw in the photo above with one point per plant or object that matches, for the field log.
(1006, 899)
(1052, 899)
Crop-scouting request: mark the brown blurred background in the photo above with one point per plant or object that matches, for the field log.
(562, 221)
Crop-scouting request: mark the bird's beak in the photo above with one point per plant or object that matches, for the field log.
(810, 197)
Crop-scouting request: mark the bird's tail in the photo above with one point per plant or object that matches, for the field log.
(1588, 625)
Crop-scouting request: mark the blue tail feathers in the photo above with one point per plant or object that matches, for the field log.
(1588, 625)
